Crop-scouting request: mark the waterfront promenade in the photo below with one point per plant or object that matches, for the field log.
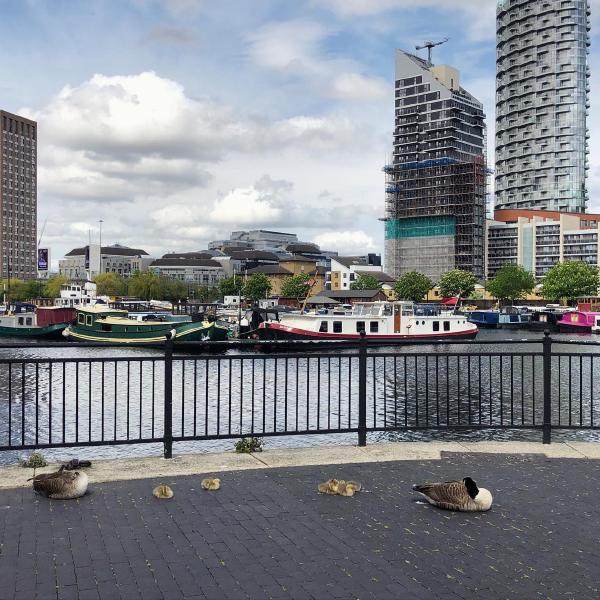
(268, 534)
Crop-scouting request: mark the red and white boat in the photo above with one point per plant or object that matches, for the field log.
(381, 321)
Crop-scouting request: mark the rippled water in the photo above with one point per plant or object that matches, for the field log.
(100, 397)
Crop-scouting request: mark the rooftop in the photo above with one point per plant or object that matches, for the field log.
(116, 250)
(269, 270)
(185, 262)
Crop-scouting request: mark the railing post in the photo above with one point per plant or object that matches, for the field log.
(168, 403)
(547, 423)
(362, 390)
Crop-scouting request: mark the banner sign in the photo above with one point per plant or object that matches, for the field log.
(43, 259)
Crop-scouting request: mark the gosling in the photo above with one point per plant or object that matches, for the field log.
(163, 492)
(211, 484)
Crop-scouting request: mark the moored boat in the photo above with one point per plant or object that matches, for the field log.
(579, 321)
(103, 324)
(26, 321)
(509, 317)
(385, 322)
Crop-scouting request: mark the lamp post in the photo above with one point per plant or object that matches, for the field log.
(101, 221)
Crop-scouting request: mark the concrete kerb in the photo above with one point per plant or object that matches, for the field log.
(191, 464)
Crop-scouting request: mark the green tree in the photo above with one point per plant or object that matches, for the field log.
(15, 289)
(412, 286)
(296, 286)
(257, 287)
(457, 283)
(569, 280)
(231, 286)
(53, 285)
(511, 282)
(144, 285)
(110, 284)
(365, 282)
(172, 289)
(32, 288)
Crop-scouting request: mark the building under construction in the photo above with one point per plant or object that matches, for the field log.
(436, 182)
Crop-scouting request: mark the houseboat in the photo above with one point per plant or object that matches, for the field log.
(507, 318)
(547, 317)
(579, 321)
(76, 295)
(380, 321)
(24, 320)
(100, 323)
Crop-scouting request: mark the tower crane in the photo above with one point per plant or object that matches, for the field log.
(429, 46)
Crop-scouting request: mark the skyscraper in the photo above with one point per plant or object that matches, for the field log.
(435, 183)
(541, 104)
(18, 196)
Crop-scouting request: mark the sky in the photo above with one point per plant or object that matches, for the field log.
(177, 121)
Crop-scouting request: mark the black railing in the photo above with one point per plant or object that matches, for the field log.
(172, 396)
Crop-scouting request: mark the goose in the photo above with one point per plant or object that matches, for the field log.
(456, 495)
(211, 484)
(163, 492)
(61, 485)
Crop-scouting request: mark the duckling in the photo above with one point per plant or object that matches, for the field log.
(61, 485)
(211, 484)
(345, 489)
(329, 487)
(163, 492)
(456, 495)
(357, 486)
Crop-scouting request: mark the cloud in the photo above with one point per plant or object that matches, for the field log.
(479, 22)
(176, 36)
(295, 49)
(346, 242)
(245, 206)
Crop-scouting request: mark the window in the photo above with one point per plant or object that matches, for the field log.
(373, 326)
(20, 320)
(28, 321)
(360, 326)
(323, 327)
(446, 325)
(106, 327)
(81, 319)
(436, 325)
(88, 320)
(337, 327)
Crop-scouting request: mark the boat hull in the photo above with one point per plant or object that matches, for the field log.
(50, 331)
(573, 328)
(278, 331)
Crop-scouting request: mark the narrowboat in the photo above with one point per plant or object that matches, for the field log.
(547, 318)
(385, 322)
(508, 318)
(579, 321)
(485, 319)
(28, 321)
(100, 323)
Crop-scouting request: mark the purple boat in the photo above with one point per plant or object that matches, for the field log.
(579, 321)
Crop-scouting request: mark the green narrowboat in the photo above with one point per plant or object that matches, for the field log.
(27, 321)
(100, 323)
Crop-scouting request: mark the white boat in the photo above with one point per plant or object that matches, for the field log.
(381, 321)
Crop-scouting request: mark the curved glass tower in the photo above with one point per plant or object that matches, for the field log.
(541, 104)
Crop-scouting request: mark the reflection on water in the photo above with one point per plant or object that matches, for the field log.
(98, 397)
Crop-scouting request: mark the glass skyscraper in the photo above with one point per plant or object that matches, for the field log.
(542, 87)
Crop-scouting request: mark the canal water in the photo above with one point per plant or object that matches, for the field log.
(323, 393)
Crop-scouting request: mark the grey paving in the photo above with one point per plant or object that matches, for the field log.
(268, 534)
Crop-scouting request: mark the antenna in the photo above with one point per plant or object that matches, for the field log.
(429, 46)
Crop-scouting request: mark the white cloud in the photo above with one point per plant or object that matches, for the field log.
(353, 85)
(245, 207)
(346, 242)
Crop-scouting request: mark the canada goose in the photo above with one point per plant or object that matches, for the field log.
(61, 485)
(211, 484)
(163, 492)
(456, 495)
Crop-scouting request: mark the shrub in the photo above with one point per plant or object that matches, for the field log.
(35, 461)
(248, 445)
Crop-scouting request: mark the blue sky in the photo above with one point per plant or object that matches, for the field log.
(176, 121)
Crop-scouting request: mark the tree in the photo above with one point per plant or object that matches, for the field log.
(412, 286)
(231, 286)
(32, 288)
(457, 283)
(296, 286)
(257, 287)
(14, 289)
(109, 284)
(365, 282)
(569, 280)
(144, 285)
(511, 282)
(53, 285)
(172, 289)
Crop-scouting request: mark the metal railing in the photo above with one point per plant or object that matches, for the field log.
(325, 388)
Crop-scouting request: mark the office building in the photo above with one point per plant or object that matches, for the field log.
(89, 261)
(190, 267)
(538, 239)
(18, 196)
(436, 181)
(542, 89)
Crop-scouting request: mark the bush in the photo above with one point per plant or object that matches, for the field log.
(35, 461)
(248, 445)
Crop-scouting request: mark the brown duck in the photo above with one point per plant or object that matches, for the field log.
(61, 485)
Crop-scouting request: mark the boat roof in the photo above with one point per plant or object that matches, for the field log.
(99, 309)
(110, 320)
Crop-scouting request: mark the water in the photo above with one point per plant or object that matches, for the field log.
(80, 400)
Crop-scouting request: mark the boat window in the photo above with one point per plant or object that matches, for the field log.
(446, 325)
(323, 327)
(374, 326)
(360, 326)
(81, 319)
(387, 310)
(28, 321)
(407, 311)
(88, 319)
(337, 327)
(20, 320)
(106, 327)
(436, 325)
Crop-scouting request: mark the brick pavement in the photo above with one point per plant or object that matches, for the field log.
(268, 534)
